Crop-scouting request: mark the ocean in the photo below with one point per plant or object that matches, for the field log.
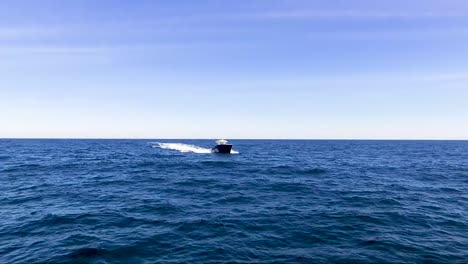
(273, 201)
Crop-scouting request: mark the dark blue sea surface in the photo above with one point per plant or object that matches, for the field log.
(171, 201)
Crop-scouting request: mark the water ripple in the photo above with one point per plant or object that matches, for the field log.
(120, 201)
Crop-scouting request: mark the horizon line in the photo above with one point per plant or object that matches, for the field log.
(298, 139)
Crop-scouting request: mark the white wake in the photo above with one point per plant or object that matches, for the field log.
(185, 148)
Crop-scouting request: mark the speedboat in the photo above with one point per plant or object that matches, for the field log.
(222, 146)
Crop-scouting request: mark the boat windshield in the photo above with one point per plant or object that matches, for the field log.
(221, 142)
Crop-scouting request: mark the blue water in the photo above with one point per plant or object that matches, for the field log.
(145, 201)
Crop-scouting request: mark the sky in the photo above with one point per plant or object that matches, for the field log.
(274, 69)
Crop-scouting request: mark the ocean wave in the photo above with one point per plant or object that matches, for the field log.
(284, 169)
(23, 167)
(142, 166)
(4, 157)
(219, 164)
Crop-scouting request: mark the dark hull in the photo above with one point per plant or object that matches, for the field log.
(222, 149)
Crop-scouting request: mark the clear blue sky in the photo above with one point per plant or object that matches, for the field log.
(236, 69)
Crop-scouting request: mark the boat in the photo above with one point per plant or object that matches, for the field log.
(222, 146)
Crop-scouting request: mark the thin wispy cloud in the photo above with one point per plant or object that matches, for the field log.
(27, 32)
(350, 14)
(390, 34)
(446, 77)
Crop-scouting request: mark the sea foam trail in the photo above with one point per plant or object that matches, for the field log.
(185, 148)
